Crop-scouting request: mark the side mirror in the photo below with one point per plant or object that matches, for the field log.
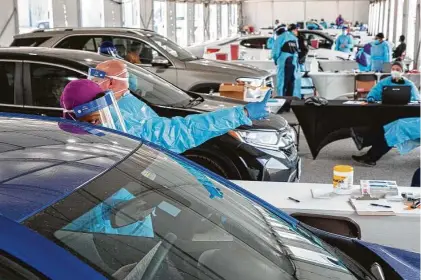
(334, 224)
(160, 61)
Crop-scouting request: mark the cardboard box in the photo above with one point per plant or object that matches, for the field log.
(235, 91)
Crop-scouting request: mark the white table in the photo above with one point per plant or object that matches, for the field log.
(400, 231)
(332, 85)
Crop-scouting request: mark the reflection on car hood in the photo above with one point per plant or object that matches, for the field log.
(405, 263)
(237, 69)
(273, 122)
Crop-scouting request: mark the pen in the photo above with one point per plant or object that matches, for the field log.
(293, 199)
(380, 205)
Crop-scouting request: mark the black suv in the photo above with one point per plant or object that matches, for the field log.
(32, 80)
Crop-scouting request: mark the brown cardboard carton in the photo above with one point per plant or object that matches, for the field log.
(235, 91)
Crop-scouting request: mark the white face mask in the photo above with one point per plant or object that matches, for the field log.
(396, 74)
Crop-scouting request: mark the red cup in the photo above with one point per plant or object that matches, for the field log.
(235, 51)
(315, 43)
(221, 56)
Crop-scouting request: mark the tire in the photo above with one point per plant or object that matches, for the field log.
(223, 167)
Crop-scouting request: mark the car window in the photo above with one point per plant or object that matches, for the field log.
(135, 51)
(154, 216)
(76, 43)
(7, 82)
(48, 82)
(154, 90)
(10, 269)
(254, 43)
(29, 42)
(324, 43)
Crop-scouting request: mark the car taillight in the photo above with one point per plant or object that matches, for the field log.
(212, 50)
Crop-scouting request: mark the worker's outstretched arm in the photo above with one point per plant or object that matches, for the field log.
(179, 134)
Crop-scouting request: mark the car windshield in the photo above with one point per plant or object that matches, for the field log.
(172, 48)
(157, 217)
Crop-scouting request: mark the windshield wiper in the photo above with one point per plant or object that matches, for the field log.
(194, 102)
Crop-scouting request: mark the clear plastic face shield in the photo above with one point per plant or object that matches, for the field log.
(108, 51)
(102, 111)
(99, 76)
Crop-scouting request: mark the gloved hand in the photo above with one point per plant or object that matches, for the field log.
(257, 110)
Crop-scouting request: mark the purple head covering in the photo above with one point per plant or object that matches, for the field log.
(367, 48)
(76, 93)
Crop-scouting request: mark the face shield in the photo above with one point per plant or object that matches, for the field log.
(102, 111)
(99, 76)
(108, 51)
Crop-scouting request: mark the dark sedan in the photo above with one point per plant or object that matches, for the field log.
(32, 80)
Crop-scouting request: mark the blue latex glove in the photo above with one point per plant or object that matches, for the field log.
(257, 110)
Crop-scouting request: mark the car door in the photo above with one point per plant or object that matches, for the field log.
(11, 94)
(43, 85)
(130, 49)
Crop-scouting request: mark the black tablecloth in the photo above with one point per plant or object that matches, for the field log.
(326, 124)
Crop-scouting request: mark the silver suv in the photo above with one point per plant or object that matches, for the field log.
(155, 53)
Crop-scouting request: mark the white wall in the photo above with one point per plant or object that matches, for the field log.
(8, 22)
(263, 13)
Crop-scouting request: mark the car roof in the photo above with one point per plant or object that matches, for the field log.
(66, 56)
(43, 159)
(81, 30)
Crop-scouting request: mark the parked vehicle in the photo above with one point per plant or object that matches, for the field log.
(254, 47)
(157, 54)
(32, 80)
(84, 202)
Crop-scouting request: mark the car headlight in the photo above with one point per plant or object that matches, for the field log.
(255, 82)
(264, 139)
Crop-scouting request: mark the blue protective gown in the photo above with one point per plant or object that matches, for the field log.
(280, 57)
(347, 41)
(403, 134)
(324, 24)
(364, 61)
(377, 91)
(177, 134)
(270, 42)
(312, 26)
(380, 53)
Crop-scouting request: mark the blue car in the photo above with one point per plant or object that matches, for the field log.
(84, 202)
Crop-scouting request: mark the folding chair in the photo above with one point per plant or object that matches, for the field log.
(363, 84)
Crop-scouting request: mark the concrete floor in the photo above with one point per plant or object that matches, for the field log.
(392, 166)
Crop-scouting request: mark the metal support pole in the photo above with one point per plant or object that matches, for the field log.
(190, 23)
(206, 16)
(218, 20)
(405, 18)
(171, 21)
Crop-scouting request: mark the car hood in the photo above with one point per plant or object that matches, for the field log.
(274, 121)
(241, 70)
(405, 263)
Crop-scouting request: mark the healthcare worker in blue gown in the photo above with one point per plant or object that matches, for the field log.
(176, 134)
(403, 133)
(277, 31)
(396, 79)
(285, 54)
(380, 53)
(344, 42)
(363, 58)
